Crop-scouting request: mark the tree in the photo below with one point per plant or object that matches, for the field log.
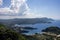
(8, 34)
(52, 29)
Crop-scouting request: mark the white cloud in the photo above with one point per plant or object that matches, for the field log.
(17, 9)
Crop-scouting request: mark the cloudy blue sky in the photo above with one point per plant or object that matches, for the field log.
(37, 8)
(48, 8)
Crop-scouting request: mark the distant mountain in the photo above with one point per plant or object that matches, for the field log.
(25, 21)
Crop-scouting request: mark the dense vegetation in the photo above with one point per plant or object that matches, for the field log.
(52, 29)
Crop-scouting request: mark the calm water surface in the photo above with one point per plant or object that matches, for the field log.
(42, 26)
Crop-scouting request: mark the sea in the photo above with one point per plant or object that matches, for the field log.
(41, 26)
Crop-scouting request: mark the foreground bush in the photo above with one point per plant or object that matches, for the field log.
(8, 34)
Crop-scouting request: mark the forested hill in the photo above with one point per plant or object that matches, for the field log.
(25, 21)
